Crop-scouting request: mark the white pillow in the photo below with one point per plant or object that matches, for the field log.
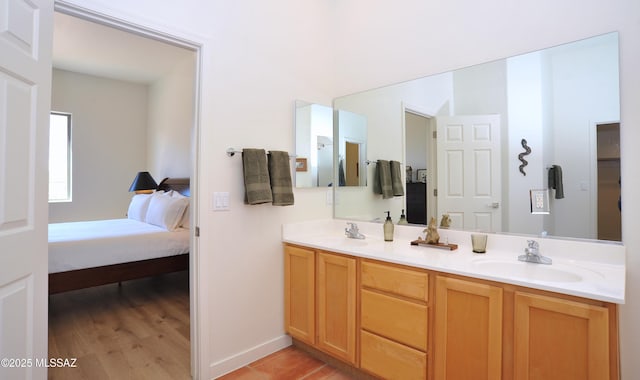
(166, 211)
(138, 207)
(185, 222)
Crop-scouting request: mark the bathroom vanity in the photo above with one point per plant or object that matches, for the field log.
(397, 311)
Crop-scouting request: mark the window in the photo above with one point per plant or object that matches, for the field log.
(60, 157)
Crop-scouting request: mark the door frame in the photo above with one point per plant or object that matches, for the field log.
(432, 157)
(195, 302)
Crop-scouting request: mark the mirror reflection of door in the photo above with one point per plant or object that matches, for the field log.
(609, 220)
(352, 164)
(469, 171)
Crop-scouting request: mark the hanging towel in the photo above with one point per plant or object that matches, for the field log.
(257, 185)
(377, 189)
(280, 175)
(341, 179)
(555, 180)
(396, 179)
(383, 169)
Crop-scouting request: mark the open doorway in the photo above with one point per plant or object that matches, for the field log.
(420, 159)
(126, 57)
(609, 180)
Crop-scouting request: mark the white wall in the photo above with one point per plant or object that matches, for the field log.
(255, 64)
(525, 119)
(169, 134)
(109, 140)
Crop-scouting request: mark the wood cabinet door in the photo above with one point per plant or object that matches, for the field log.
(299, 293)
(468, 330)
(560, 339)
(337, 305)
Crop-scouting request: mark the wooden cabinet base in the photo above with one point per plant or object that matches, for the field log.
(391, 360)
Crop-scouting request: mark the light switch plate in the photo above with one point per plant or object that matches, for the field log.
(220, 201)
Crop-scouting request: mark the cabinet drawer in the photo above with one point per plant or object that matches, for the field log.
(391, 360)
(394, 318)
(400, 281)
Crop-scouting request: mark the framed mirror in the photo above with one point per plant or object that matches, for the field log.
(314, 144)
(483, 137)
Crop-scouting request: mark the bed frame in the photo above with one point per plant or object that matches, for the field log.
(108, 274)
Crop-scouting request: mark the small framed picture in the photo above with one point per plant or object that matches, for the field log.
(301, 164)
(539, 201)
(421, 175)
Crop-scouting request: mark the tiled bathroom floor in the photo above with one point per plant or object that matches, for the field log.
(287, 364)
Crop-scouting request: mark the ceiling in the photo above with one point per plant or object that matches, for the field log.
(90, 48)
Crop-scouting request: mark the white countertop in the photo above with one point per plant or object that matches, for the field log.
(581, 268)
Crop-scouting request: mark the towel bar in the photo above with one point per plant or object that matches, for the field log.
(231, 152)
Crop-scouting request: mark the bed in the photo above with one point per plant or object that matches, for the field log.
(152, 240)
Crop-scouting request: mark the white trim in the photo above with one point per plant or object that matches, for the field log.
(432, 180)
(243, 358)
(196, 301)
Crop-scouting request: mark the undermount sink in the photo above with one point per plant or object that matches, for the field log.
(526, 271)
(351, 241)
(344, 241)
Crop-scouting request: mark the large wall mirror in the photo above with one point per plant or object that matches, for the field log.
(478, 142)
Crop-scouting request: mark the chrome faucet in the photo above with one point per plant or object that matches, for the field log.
(532, 254)
(353, 232)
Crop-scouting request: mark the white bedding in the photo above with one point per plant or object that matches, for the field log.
(79, 245)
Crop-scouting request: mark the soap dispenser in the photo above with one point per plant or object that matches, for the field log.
(403, 218)
(388, 228)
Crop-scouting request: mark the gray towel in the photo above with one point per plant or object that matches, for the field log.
(257, 185)
(555, 181)
(280, 174)
(376, 180)
(383, 171)
(341, 179)
(396, 179)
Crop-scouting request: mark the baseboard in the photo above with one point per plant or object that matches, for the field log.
(243, 358)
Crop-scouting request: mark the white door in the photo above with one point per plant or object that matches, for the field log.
(25, 94)
(469, 171)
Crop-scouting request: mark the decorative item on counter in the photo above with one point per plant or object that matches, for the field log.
(388, 228)
(479, 243)
(445, 222)
(403, 218)
(409, 174)
(433, 238)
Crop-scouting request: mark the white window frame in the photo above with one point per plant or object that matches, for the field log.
(68, 197)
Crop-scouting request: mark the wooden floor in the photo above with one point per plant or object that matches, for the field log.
(288, 364)
(139, 330)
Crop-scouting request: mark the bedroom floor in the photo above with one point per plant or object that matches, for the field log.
(139, 330)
